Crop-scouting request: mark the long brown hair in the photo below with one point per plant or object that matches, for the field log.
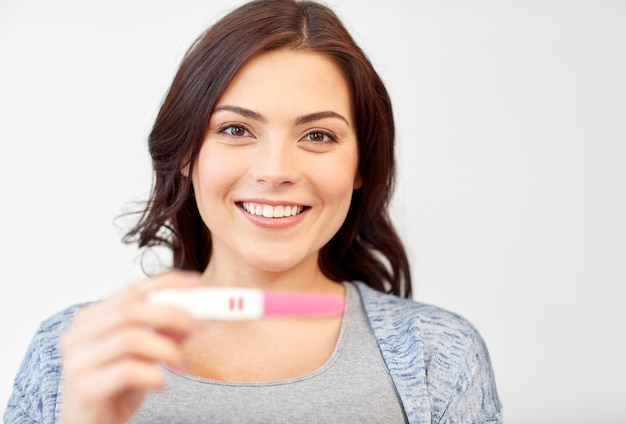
(366, 247)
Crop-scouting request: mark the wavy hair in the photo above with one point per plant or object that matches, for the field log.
(366, 247)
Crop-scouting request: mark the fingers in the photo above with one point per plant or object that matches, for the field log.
(116, 346)
(124, 324)
(127, 307)
(172, 279)
(133, 342)
(97, 320)
(123, 375)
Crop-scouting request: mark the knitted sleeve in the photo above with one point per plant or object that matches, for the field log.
(437, 359)
(36, 385)
(473, 398)
(24, 405)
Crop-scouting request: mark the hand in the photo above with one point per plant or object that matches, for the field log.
(113, 351)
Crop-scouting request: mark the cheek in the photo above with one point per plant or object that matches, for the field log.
(340, 186)
(337, 180)
(214, 173)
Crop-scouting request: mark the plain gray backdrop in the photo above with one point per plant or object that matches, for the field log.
(511, 155)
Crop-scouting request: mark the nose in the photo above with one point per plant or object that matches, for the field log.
(276, 163)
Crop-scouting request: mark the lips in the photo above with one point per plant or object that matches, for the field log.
(272, 211)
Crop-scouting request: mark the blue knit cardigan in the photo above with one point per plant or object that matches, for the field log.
(438, 362)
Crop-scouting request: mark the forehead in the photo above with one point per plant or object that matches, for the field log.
(299, 81)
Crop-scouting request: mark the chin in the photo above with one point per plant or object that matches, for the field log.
(278, 263)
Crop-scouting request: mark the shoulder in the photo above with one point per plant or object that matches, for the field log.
(56, 325)
(437, 330)
(43, 351)
(36, 385)
(437, 351)
(46, 340)
(436, 325)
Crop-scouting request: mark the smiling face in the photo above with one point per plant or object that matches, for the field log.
(274, 176)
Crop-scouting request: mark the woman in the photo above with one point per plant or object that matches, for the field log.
(274, 160)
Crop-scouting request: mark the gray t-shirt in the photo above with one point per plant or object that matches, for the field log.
(353, 386)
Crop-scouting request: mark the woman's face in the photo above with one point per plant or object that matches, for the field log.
(274, 176)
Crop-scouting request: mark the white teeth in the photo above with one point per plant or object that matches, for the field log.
(279, 211)
(269, 211)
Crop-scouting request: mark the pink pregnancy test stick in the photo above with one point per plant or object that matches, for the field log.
(238, 303)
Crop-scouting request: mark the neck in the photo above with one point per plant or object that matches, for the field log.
(307, 276)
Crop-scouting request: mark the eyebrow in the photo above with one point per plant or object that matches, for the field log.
(316, 116)
(310, 117)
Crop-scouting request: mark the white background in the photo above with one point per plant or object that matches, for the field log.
(511, 120)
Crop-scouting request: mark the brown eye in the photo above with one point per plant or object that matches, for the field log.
(236, 131)
(319, 137)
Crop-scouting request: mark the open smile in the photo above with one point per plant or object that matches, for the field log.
(272, 211)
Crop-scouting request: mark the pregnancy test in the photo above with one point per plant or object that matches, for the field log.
(239, 303)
